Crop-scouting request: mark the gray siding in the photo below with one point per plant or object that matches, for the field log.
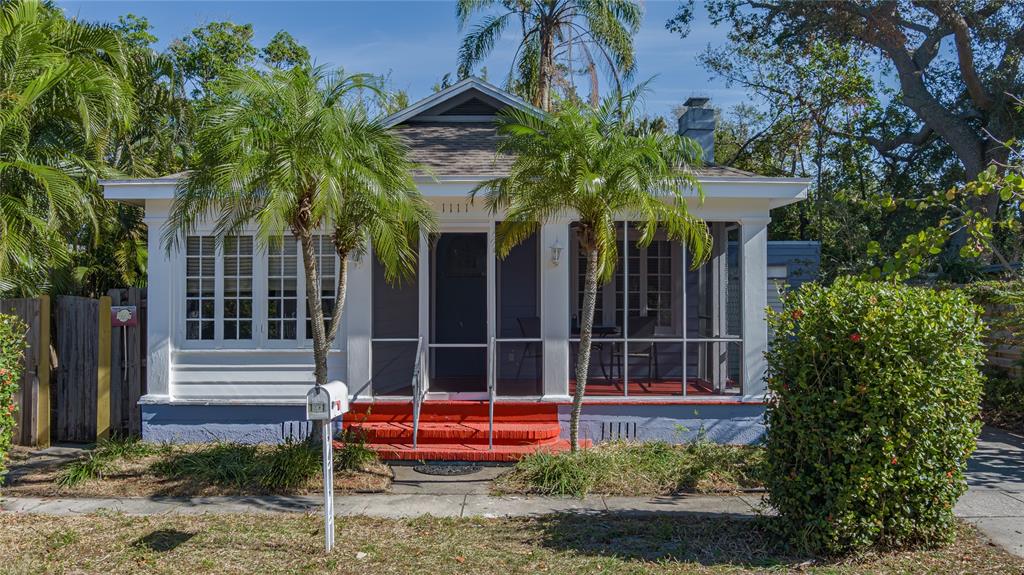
(799, 262)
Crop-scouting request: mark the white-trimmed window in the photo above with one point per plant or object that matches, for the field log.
(327, 267)
(200, 287)
(237, 301)
(238, 294)
(282, 289)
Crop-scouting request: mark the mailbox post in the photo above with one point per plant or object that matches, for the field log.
(325, 403)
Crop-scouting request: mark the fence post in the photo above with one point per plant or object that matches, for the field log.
(43, 375)
(133, 361)
(103, 371)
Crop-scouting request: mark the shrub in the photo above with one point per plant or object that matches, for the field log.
(636, 468)
(872, 415)
(1003, 405)
(354, 455)
(285, 467)
(12, 346)
(225, 464)
(288, 466)
(102, 460)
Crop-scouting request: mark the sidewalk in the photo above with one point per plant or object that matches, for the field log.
(392, 506)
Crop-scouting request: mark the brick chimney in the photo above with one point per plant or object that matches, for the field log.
(698, 122)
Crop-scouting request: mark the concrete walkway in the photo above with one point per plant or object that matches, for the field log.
(994, 502)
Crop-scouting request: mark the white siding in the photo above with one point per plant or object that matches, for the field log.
(247, 374)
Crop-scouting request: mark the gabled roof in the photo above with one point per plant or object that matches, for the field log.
(474, 91)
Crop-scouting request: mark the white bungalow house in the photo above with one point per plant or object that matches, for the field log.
(676, 350)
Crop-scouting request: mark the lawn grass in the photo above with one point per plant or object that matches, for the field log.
(130, 468)
(557, 544)
(636, 469)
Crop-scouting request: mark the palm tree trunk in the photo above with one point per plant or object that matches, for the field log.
(316, 312)
(339, 297)
(583, 357)
(547, 68)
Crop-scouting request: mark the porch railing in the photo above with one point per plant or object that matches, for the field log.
(492, 384)
(419, 392)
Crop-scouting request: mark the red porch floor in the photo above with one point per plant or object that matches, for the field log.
(456, 430)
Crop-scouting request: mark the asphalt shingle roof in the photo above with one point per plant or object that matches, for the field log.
(456, 148)
(470, 149)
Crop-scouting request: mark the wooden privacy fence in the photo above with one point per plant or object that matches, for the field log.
(1004, 348)
(32, 420)
(83, 376)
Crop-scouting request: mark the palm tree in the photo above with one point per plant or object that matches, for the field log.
(601, 32)
(597, 165)
(62, 90)
(287, 151)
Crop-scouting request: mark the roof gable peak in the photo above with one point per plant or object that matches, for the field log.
(470, 99)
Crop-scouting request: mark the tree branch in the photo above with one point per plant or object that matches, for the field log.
(964, 51)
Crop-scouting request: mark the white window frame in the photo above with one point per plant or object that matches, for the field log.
(326, 238)
(259, 303)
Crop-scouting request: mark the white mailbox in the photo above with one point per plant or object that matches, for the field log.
(327, 402)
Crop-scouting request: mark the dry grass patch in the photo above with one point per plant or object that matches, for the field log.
(129, 468)
(557, 544)
(637, 469)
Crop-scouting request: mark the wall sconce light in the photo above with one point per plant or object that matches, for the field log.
(556, 251)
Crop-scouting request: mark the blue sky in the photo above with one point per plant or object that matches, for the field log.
(417, 41)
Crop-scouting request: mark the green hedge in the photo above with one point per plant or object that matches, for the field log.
(872, 415)
(12, 346)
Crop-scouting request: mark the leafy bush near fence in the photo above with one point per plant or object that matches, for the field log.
(1003, 401)
(12, 346)
(873, 413)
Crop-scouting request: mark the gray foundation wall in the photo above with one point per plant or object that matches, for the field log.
(735, 424)
(234, 423)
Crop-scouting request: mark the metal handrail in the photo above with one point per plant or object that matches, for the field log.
(492, 376)
(419, 392)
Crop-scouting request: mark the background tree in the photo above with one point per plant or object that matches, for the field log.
(65, 90)
(283, 51)
(924, 86)
(593, 164)
(290, 152)
(555, 37)
(211, 51)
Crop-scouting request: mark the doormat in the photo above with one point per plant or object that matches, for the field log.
(446, 469)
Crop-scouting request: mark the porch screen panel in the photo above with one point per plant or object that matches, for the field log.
(606, 374)
(395, 332)
(653, 351)
(662, 329)
(237, 301)
(519, 345)
(200, 287)
(714, 306)
(327, 260)
(282, 289)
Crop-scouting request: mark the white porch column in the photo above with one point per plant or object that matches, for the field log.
(162, 305)
(359, 323)
(754, 272)
(554, 323)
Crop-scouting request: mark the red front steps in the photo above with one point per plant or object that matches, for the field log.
(456, 430)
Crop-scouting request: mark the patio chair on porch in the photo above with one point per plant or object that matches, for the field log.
(642, 327)
(529, 327)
